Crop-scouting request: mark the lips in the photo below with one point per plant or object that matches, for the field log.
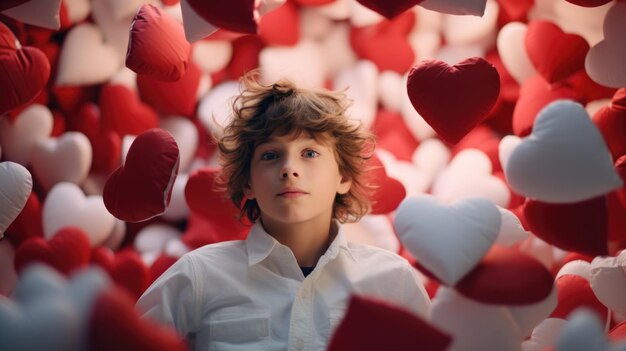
(291, 192)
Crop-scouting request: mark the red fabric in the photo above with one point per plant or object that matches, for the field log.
(389, 191)
(453, 99)
(371, 325)
(28, 223)
(389, 8)
(555, 54)
(611, 120)
(393, 135)
(281, 27)
(126, 268)
(142, 187)
(246, 51)
(234, 15)
(581, 227)
(375, 42)
(573, 292)
(123, 112)
(203, 230)
(508, 277)
(7, 4)
(67, 251)
(618, 333)
(157, 46)
(620, 167)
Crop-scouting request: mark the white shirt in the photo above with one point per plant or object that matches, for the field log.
(251, 294)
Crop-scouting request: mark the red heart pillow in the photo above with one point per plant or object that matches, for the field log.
(125, 268)
(123, 112)
(7, 4)
(389, 8)
(141, 189)
(555, 54)
(574, 291)
(157, 46)
(447, 97)
(620, 166)
(393, 135)
(105, 144)
(389, 192)
(114, 324)
(28, 223)
(611, 120)
(581, 226)
(506, 276)
(67, 251)
(235, 15)
(203, 230)
(375, 325)
(281, 27)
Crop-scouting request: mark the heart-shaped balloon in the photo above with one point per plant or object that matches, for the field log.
(18, 137)
(396, 329)
(603, 61)
(611, 120)
(431, 86)
(565, 158)
(447, 240)
(141, 188)
(125, 268)
(580, 226)
(608, 281)
(528, 317)
(67, 251)
(556, 54)
(157, 45)
(15, 189)
(67, 206)
(473, 33)
(212, 56)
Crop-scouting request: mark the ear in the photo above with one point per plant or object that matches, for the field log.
(248, 192)
(344, 185)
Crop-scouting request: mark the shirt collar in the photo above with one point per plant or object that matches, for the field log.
(260, 244)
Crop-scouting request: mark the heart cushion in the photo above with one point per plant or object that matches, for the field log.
(282, 26)
(565, 159)
(11, 3)
(141, 188)
(389, 9)
(15, 189)
(555, 54)
(575, 292)
(389, 192)
(611, 120)
(123, 112)
(237, 16)
(125, 268)
(157, 45)
(620, 166)
(432, 85)
(28, 223)
(395, 329)
(18, 137)
(447, 240)
(512, 51)
(603, 61)
(581, 227)
(608, 281)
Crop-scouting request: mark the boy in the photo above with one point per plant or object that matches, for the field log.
(294, 164)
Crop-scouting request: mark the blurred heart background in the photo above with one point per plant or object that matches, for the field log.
(501, 157)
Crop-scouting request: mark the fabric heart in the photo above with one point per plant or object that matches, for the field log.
(396, 329)
(389, 9)
(64, 159)
(456, 7)
(516, 10)
(85, 58)
(40, 13)
(565, 158)
(214, 110)
(246, 55)
(620, 166)
(282, 26)
(556, 54)
(389, 191)
(26, 72)
(19, 137)
(580, 226)
(125, 268)
(178, 209)
(511, 231)
(393, 135)
(172, 98)
(28, 224)
(575, 292)
(155, 237)
(212, 56)
(535, 94)
(488, 282)
(608, 281)
(157, 45)
(15, 189)
(237, 16)
(11, 3)
(472, 32)
(447, 240)
(589, 3)
(67, 206)
(114, 324)
(611, 120)
(186, 136)
(360, 82)
(512, 51)
(8, 276)
(304, 64)
(196, 27)
(67, 251)
(8, 41)
(432, 84)
(528, 317)
(603, 61)
(141, 188)
(373, 42)
(123, 112)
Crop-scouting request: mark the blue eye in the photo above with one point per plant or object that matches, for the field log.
(269, 156)
(311, 153)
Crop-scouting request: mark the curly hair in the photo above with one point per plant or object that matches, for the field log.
(262, 111)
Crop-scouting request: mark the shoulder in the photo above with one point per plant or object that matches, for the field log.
(373, 254)
(231, 250)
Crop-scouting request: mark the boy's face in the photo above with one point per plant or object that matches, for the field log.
(295, 180)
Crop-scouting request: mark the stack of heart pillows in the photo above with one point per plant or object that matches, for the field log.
(500, 164)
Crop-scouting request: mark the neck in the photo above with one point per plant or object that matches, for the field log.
(307, 240)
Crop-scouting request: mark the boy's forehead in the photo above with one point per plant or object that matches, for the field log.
(306, 136)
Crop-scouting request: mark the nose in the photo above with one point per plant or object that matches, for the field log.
(288, 170)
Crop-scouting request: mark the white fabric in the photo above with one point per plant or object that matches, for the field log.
(252, 295)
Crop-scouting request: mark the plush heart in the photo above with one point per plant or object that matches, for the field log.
(67, 251)
(237, 16)
(390, 90)
(86, 58)
(576, 267)
(447, 240)
(64, 159)
(195, 26)
(19, 137)
(608, 281)
(580, 226)
(489, 282)
(389, 191)
(302, 63)
(40, 13)
(214, 110)
(157, 45)
(456, 7)
(528, 317)
(470, 32)
(125, 268)
(589, 3)
(432, 84)
(396, 329)
(124, 113)
(565, 158)
(204, 198)
(512, 51)
(603, 61)
(620, 166)
(393, 135)
(141, 188)
(545, 334)
(172, 98)
(28, 223)
(15, 189)
(11, 3)
(8, 276)
(360, 82)
(373, 42)
(470, 175)
(584, 331)
(212, 56)
(511, 230)
(8, 42)
(431, 156)
(611, 120)
(67, 206)
(114, 324)
(186, 136)
(115, 30)
(389, 9)
(282, 26)
(535, 94)
(26, 72)
(155, 237)
(618, 333)
(484, 139)
(246, 56)
(515, 10)
(125, 8)
(575, 292)
(556, 54)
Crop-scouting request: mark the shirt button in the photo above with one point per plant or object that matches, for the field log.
(299, 344)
